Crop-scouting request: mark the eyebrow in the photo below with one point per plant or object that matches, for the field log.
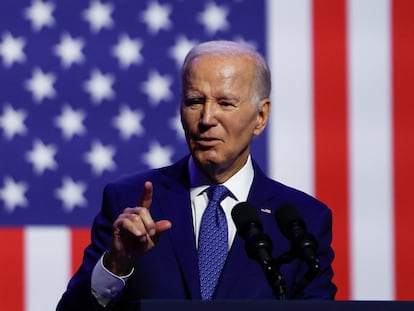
(197, 95)
(193, 95)
(228, 98)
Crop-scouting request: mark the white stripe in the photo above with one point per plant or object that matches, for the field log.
(47, 266)
(291, 123)
(370, 150)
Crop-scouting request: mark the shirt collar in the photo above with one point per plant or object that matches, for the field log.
(239, 184)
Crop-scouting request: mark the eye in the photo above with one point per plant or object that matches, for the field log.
(193, 101)
(226, 104)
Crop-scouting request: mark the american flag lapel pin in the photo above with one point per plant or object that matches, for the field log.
(266, 210)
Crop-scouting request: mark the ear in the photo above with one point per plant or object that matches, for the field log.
(262, 116)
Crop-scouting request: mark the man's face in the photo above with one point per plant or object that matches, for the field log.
(218, 115)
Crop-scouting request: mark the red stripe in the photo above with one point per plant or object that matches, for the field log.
(80, 239)
(331, 138)
(403, 113)
(12, 268)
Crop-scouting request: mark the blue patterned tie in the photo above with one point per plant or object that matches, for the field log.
(212, 242)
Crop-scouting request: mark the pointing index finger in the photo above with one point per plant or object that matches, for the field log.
(146, 197)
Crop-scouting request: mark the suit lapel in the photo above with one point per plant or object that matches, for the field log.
(175, 203)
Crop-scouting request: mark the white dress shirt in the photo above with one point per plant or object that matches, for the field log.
(106, 285)
(239, 185)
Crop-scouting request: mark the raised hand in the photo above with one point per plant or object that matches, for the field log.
(134, 234)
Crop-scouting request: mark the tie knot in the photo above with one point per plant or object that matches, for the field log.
(217, 193)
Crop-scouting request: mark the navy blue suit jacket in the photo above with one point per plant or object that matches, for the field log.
(170, 270)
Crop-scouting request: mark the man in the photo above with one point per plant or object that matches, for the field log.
(148, 240)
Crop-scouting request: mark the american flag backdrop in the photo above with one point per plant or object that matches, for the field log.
(89, 91)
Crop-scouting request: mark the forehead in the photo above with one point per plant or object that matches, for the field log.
(221, 68)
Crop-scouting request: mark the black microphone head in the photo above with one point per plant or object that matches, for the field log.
(286, 216)
(258, 245)
(293, 227)
(244, 214)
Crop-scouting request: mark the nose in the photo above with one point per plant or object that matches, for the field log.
(208, 114)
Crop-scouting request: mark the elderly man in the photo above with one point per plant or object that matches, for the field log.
(157, 234)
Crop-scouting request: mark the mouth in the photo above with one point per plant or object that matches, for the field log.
(206, 142)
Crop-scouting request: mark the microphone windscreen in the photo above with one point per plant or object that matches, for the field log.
(243, 215)
(286, 215)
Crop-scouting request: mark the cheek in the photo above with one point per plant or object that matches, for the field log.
(187, 119)
(243, 127)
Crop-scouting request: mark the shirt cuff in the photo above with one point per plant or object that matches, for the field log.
(106, 285)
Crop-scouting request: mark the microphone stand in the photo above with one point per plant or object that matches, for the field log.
(313, 270)
(275, 278)
(260, 247)
(260, 250)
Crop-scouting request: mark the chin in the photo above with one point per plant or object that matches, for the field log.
(206, 159)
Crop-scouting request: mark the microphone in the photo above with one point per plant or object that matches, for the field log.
(258, 245)
(303, 244)
(250, 228)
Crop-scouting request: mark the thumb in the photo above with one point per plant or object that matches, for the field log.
(162, 225)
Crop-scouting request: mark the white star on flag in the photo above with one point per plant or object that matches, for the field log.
(100, 157)
(128, 122)
(99, 86)
(180, 49)
(128, 51)
(214, 18)
(71, 194)
(11, 49)
(99, 15)
(157, 155)
(70, 121)
(41, 85)
(157, 17)
(69, 50)
(157, 87)
(13, 194)
(12, 121)
(42, 157)
(40, 14)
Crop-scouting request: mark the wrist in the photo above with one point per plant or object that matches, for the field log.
(117, 264)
